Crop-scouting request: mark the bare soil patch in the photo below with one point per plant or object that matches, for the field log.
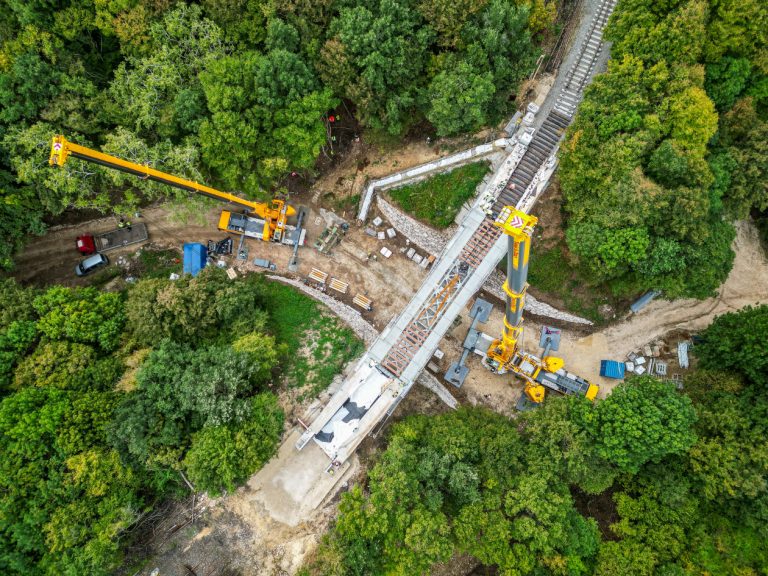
(601, 507)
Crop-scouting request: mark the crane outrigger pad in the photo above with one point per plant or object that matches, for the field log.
(481, 310)
(550, 336)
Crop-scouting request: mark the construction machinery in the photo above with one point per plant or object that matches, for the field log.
(270, 223)
(505, 354)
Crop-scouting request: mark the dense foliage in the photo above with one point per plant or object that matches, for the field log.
(669, 144)
(686, 475)
(234, 92)
(109, 402)
(737, 341)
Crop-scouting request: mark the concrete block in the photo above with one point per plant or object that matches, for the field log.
(377, 221)
(381, 235)
(647, 351)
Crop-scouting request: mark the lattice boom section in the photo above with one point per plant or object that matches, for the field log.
(401, 354)
(412, 338)
(481, 242)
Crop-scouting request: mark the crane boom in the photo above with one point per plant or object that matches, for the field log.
(505, 353)
(61, 149)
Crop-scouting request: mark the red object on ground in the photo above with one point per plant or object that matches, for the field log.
(331, 118)
(85, 244)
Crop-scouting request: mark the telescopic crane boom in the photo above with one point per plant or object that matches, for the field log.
(275, 214)
(505, 353)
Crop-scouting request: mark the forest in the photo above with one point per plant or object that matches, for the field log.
(649, 481)
(669, 146)
(111, 402)
(235, 93)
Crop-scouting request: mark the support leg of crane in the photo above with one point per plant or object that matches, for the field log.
(242, 250)
(456, 374)
(524, 403)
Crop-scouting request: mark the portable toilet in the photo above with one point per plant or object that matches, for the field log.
(195, 258)
(612, 369)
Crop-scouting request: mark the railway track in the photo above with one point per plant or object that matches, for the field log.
(581, 71)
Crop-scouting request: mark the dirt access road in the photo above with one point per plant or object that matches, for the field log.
(390, 283)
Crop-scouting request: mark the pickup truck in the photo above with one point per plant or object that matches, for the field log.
(92, 243)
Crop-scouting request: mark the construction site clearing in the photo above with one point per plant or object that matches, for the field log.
(288, 489)
(380, 379)
(423, 312)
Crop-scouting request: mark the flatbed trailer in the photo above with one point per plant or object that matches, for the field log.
(120, 237)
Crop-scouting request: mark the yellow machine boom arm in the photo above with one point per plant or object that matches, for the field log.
(61, 149)
(505, 354)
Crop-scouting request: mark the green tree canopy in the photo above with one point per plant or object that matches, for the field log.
(375, 57)
(642, 421)
(84, 315)
(736, 342)
(459, 99)
(646, 138)
(193, 310)
(179, 391)
(221, 457)
(466, 482)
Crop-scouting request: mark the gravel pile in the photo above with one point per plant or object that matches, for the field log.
(349, 315)
(494, 286)
(420, 234)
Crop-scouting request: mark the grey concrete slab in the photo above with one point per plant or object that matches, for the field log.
(293, 484)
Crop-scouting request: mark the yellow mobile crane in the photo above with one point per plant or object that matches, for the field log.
(504, 354)
(274, 215)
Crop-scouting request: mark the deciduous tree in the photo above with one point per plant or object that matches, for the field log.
(641, 421)
(221, 457)
(736, 341)
(459, 98)
(384, 48)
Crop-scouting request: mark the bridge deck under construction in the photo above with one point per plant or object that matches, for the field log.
(383, 376)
